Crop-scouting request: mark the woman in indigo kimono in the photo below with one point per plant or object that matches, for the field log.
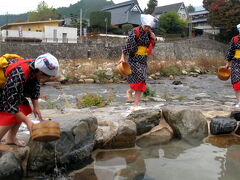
(139, 45)
(233, 58)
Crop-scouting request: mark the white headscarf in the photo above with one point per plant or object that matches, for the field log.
(148, 20)
(47, 63)
(238, 27)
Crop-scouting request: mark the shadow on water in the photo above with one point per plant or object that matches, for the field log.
(178, 159)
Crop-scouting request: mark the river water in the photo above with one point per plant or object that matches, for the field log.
(177, 160)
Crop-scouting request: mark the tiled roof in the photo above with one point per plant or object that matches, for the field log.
(168, 8)
(122, 13)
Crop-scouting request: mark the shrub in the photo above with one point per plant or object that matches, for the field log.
(149, 92)
(126, 28)
(117, 31)
(171, 70)
(91, 99)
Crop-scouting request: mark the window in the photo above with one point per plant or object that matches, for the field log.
(64, 37)
(135, 9)
(55, 35)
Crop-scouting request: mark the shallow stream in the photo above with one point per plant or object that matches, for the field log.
(177, 160)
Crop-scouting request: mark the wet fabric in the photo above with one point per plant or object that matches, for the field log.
(17, 89)
(236, 86)
(138, 63)
(7, 119)
(235, 68)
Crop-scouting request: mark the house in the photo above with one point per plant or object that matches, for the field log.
(179, 8)
(46, 31)
(199, 24)
(125, 13)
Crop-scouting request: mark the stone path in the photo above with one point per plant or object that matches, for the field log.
(205, 93)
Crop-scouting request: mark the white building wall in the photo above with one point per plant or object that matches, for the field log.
(62, 34)
(28, 34)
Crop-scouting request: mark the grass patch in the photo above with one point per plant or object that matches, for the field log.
(91, 99)
(149, 93)
(171, 70)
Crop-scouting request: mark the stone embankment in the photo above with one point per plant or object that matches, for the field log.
(181, 50)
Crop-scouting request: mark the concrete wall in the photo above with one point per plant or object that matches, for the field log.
(185, 49)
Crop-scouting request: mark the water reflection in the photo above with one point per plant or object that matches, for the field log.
(176, 160)
(231, 164)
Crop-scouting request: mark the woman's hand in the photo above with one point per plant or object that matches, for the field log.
(152, 35)
(36, 111)
(37, 114)
(122, 59)
(228, 64)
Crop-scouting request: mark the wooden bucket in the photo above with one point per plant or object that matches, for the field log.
(124, 69)
(46, 131)
(223, 73)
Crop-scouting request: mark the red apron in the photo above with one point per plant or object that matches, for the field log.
(7, 119)
(138, 86)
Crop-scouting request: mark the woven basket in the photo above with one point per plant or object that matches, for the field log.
(223, 73)
(124, 69)
(46, 131)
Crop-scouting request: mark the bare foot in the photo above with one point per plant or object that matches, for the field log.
(4, 147)
(129, 96)
(16, 142)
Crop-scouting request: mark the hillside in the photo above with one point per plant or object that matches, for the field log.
(11, 18)
(87, 7)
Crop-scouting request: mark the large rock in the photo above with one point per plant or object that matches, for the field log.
(106, 131)
(125, 136)
(158, 135)
(145, 119)
(10, 167)
(221, 125)
(235, 115)
(187, 124)
(73, 149)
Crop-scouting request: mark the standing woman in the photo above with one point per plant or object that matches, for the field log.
(233, 58)
(139, 45)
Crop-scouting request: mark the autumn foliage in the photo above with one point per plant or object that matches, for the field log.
(224, 14)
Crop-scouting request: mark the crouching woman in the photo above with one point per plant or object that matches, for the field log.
(22, 81)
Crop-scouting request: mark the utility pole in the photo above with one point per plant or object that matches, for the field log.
(106, 21)
(7, 26)
(190, 27)
(80, 30)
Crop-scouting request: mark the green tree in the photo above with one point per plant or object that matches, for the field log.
(43, 12)
(190, 8)
(75, 22)
(151, 6)
(126, 28)
(171, 23)
(224, 14)
(98, 20)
